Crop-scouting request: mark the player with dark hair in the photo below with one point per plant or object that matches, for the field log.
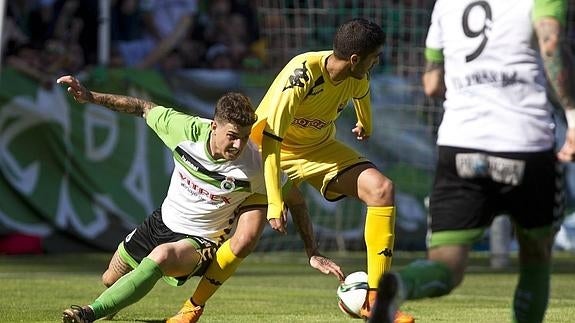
(496, 144)
(296, 131)
(217, 184)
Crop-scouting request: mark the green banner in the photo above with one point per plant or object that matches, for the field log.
(77, 177)
(78, 173)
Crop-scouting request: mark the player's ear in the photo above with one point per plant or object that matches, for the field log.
(214, 126)
(354, 59)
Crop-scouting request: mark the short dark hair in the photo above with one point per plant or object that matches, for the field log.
(357, 36)
(235, 108)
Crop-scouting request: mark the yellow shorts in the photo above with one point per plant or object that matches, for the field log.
(255, 200)
(320, 166)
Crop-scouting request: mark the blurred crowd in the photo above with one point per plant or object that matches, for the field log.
(44, 38)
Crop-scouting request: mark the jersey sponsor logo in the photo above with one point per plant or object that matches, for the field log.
(194, 189)
(498, 169)
(307, 123)
(496, 78)
(299, 74)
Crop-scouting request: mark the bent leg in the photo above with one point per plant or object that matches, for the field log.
(436, 276)
(365, 182)
(116, 269)
(172, 259)
(229, 256)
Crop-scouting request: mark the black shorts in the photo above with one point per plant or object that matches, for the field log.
(153, 232)
(471, 187)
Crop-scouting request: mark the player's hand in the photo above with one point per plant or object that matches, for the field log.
(567, 152)
(280, 224)
(77, 90)
(359, 132)
(326, 266)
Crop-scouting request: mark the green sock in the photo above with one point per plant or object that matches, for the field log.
(128, 289)
(532, 293)
(425, 278)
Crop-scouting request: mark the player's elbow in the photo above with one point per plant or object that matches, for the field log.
(433, 85)
(430, 90)
(433, 90)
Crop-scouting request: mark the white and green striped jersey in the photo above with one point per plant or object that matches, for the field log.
(496, 87)
(203, 192)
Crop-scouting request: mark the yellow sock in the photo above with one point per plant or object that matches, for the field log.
(379, 235)
(222, 267)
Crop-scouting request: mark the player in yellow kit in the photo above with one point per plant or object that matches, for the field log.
(296, 131)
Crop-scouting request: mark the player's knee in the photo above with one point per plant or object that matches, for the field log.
(163, 253)
(536, 252)
(457, 278)
(243, 244)
(109, 277)
(381, 192)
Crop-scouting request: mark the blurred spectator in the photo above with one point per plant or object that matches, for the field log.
(86, 17)
(165, 23)
(220, 57)
(15, 29)
(41, 38)
(126, 17)
(230, 24)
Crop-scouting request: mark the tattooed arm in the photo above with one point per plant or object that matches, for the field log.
(557, 60)
(433, 82)
(113, 102)
(300, 215)
(559, 66)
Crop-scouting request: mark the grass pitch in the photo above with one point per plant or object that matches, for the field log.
(268, 287)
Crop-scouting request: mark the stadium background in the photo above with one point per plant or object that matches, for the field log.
(79, 178)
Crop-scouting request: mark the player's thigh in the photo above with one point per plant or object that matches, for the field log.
(365, 182)
(537, 201)
(116, 269)
(536, 205)
(249, 228)
(176, 259)
(457, 204)
(321, 167)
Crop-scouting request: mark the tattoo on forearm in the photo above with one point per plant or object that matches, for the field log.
(122, 103)
(303, 225)
(558, 62)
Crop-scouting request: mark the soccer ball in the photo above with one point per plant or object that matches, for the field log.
(352, 292)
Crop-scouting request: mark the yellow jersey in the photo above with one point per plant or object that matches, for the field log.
(299, 111)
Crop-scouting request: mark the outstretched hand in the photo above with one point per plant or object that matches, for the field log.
(77, 90)
(326, 266)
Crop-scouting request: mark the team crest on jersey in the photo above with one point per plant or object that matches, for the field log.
(299, 74)
(228, 184)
